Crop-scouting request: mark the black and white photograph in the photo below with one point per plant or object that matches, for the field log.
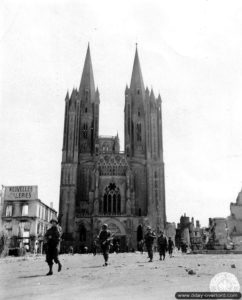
(120, 149)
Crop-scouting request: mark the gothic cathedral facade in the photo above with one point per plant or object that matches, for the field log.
(99, 183)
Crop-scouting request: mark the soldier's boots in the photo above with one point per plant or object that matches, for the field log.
(49, 273)
(59, 266)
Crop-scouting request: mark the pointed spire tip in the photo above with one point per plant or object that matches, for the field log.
(137, 78)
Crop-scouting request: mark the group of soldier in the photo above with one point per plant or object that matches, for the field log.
(162, 244)
(105, 237)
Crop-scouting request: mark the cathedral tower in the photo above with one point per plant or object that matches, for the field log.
(144, 147)
(81, 128)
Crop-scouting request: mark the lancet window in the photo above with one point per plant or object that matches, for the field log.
(138, 132)
(84, 130)
(112, 200)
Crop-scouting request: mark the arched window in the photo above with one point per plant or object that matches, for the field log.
(84, 131)
(112, 200)
(109, 203)
(114, 204)
(119, 204)
(138, 132)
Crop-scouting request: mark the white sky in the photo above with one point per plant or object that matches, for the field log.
(190, 52)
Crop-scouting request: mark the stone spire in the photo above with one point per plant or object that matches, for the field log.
(87, 80)
(137, 79)
(67, 96)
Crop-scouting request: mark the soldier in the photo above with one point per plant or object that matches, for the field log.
(149, 241)
(116, 247)
(94, 247)
(170, 246)
(162, 245)
(71, 250)
(105, 239)
(52, 237)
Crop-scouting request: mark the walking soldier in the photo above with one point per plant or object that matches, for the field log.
(162, 245)
(149, 241)
(170, 246)
(105, 239)
(52, 237)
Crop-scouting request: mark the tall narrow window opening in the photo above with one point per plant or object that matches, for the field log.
(84, 131)
(138, 132)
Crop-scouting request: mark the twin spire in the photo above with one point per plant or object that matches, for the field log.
(87, 80)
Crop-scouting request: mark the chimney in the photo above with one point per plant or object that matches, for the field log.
(51, 204)
(197, 224)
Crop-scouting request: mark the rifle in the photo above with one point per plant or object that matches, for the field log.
(108, 239)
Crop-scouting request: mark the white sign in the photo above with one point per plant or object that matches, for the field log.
(21, 192)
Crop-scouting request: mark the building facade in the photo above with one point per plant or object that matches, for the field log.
(191, 234)
(226, 233)
(234, 222)
(101, 184)
(25, 218)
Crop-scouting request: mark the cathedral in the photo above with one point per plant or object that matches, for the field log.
(101, 184)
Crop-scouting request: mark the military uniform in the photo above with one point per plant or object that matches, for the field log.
(170, 246)
(52, 238)
(105, 239)
(162, 246)
(149, 241)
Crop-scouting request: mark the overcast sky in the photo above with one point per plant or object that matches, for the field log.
(190, 52)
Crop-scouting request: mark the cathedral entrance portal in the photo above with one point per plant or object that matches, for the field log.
(119, 234)
(121, 240)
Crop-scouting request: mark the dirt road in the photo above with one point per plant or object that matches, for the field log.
(129, 276)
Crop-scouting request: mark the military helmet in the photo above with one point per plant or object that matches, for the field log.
(54, 219)
(148, 228)
(105, 226)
